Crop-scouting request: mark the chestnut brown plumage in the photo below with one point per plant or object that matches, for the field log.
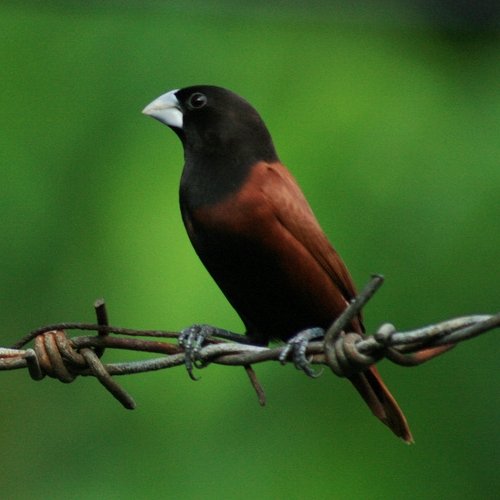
(253, 229)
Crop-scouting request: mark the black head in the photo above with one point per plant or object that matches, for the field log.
(214, 122)
(223, 138)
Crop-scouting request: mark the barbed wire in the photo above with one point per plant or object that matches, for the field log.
(56, 355)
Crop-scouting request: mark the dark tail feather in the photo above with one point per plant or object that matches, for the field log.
(381, 402)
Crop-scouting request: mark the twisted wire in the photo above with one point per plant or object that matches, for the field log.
(346, 353)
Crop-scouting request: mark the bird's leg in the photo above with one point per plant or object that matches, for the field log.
(192, 338)
(297, 345)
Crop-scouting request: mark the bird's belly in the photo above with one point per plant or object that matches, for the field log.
(276, 291)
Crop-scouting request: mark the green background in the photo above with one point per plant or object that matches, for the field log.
(391, 125)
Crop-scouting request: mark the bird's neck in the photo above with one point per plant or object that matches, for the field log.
(217, 164)
(207, 180)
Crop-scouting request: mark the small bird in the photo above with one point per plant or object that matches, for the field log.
(255, 232)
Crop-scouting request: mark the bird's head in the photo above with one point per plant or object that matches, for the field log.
(212, 120)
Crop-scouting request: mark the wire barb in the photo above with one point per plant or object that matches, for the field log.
(346, 353)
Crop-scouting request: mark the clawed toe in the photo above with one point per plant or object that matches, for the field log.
(191, 339)
(297, 347)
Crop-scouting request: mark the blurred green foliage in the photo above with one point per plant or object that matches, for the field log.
(392, 128)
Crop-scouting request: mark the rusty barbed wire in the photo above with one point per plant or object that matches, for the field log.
(56, 355)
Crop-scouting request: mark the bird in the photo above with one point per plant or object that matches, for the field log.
(255, 232)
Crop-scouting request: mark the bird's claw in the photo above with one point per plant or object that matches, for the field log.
(297, 346)
(191, 339)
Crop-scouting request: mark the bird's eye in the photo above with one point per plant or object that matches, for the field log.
(197, 100)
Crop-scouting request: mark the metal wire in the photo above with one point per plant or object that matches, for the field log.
(55, 355)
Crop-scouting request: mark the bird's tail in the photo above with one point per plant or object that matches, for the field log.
(381, 402)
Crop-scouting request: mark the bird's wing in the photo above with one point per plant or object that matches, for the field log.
(294, 213)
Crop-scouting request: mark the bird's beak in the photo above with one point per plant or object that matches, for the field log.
(166, 109)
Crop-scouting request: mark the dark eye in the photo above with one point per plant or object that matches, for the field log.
(197, 100)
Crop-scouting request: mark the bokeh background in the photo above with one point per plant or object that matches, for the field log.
(387, 113)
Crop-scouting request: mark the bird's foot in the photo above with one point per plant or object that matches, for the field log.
(297, 345)
(192, 338)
